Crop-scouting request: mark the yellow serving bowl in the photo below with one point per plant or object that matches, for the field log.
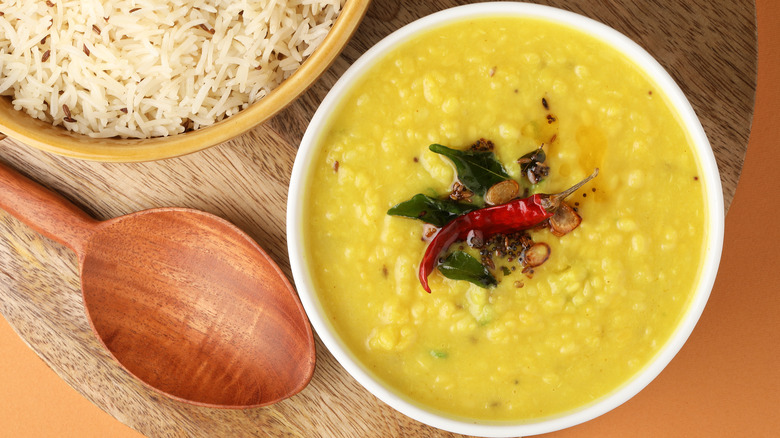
(57, 140)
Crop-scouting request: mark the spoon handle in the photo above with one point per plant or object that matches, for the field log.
(44, 210)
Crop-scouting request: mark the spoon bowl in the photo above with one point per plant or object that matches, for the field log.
(182, 299)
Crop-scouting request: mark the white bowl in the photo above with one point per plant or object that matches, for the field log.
(360, 372)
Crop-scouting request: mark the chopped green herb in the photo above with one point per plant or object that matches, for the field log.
(439, 354)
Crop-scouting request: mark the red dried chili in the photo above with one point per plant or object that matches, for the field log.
(516, 215)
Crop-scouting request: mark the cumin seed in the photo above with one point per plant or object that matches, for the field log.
(86, 50)
(45, 56)
(95, 29)
(134, 9)
(66, 110)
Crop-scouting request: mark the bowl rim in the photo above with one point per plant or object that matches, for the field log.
(711, 253)
(57, 140)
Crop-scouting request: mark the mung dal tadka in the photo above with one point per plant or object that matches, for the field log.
(555, 104)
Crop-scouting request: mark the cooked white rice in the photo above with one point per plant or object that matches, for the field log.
(149, 68)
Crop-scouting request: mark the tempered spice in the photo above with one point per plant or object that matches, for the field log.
(482, 145)
(514, 216)
(460, 192)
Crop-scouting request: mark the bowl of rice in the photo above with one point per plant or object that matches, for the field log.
(141, 80)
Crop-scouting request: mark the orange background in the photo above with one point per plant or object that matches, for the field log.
(725, 382)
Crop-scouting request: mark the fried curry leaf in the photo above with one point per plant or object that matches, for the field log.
(437, 212)
(531, 159)
(532, 165)
(477, 170)
(460, 265)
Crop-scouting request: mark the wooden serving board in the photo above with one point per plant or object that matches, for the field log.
(709, 47)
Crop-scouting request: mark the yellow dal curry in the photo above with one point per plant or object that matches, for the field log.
(612, 291)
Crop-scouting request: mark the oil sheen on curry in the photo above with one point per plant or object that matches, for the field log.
(519, 323)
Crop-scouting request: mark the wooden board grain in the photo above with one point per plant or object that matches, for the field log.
(709, 47)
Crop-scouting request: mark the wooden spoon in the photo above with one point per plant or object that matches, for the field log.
(184, 300)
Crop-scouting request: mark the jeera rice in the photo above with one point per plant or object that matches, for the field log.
(150, 68)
